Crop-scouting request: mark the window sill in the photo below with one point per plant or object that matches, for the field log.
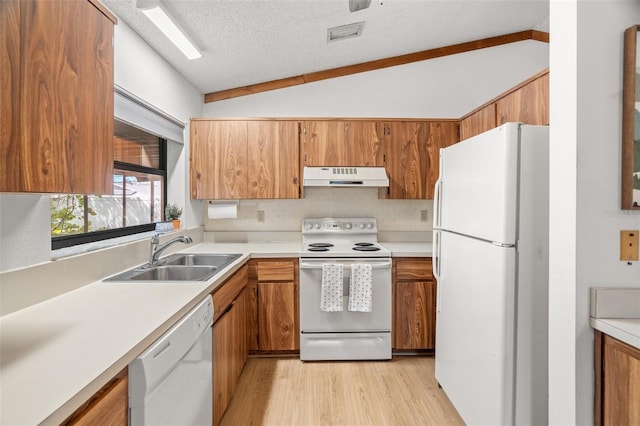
(98, 245)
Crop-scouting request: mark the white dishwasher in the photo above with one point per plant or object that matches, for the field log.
(170, 383)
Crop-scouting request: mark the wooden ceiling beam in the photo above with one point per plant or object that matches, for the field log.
(377, 64)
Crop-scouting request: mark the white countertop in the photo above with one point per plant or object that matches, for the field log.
(616, 312)
(408, 249)
(626, 330)
(57, 353)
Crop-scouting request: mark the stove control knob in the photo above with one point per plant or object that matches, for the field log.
(370, 225)
(317, 226)
(348, 225)
(361, 225)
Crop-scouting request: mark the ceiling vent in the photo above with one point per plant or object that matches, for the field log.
(344, 31)
(356, 5)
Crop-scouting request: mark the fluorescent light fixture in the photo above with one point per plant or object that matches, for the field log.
(165, 23)
(344, 31)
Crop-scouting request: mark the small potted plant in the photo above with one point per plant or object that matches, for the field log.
(173, 212)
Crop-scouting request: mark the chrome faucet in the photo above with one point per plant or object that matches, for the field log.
(157, 249)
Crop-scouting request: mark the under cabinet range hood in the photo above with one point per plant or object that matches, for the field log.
(340, 177)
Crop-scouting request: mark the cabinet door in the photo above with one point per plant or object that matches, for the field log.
(240, 334)
(276, 316)
(414, 298)
(363, 144)
(341, 143)
(61, 133)
(407, 158)
(528, 104)
(109, 406)
(441, 135)
(322, 143)
(414, 315)
(621, 404)
(273, 164)
(479, 122)
(218, 159)
(223, 353)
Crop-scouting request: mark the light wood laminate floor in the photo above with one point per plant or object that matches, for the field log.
(287, 391)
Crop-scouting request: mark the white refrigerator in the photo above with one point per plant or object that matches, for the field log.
(491, 266)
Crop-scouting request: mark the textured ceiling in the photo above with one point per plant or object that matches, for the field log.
(248, 41)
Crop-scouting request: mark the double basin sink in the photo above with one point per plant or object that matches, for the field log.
(179, 267)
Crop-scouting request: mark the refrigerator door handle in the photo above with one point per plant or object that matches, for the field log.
(436, 266)
(437, 203)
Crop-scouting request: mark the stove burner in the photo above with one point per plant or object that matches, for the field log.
(318, 249)
(366, 248)
(363, 244)
(320, 245)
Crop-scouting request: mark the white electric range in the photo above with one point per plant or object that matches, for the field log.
(343, 334)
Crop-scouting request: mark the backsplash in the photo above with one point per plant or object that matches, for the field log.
(287, 215)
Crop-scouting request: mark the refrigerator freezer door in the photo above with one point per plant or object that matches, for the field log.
(475, 328)
(478, 185)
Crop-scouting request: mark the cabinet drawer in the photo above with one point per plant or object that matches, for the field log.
(224, 295)
(276, 271)
(414, 269)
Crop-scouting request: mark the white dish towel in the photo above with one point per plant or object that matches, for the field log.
(360, 294)
(331, 291)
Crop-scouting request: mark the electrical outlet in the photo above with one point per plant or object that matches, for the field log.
(424, 215)
(629, 245)
(260, 215)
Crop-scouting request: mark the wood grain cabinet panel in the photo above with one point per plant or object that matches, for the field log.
(341, 143)
(414, 300)
(273, 150)
(412, 155)
(57, 97)
(528, 104)
(478, 122)
(273, 309)
(230, 339)
(276, 313)
(617, 393)
(441, 135)
(244, 159)
(109, 406)
(218, 159)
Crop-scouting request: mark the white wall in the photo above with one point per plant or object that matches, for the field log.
(585, 188)
(25, 230)
(25, 219)
(447, 87)
(140, 70)
(287, 215)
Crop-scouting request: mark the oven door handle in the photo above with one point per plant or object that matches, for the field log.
(377, 265)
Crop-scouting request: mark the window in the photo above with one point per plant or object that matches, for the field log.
(137, 201)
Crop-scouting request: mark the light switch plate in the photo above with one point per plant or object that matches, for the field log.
(629, 245)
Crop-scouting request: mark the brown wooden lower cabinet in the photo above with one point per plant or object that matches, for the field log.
(414, 295)
(230, 340)
(109, 406)
(617, 382)
(274, 314)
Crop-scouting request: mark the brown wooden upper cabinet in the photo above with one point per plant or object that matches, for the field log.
(527, 103)
(244, 159)
(341, 143)
(56, 102)
(412, 154)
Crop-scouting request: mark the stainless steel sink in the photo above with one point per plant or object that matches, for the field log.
(217, 260)
(179, 267)
(176, 273)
